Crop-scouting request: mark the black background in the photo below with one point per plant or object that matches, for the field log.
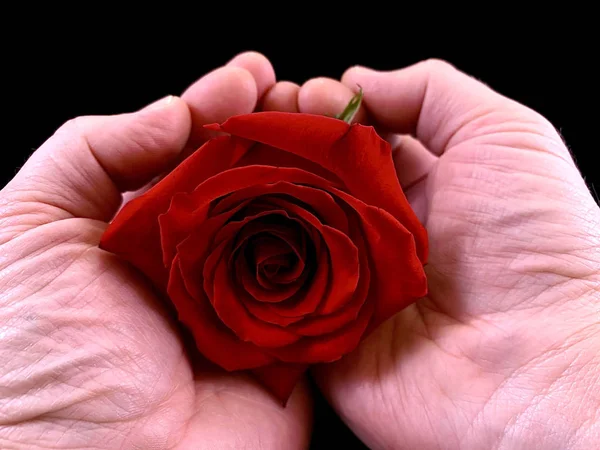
(65, 73)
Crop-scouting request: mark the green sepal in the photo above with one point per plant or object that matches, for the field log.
(349, 112)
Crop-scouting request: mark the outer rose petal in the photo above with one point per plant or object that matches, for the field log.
(134, 233)
(262, 154)
(212, 338)
(280, 379)
(397, 275)
(355, 153)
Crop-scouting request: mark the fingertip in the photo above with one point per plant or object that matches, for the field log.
(222, 90)
(283, 96)
(325, 96)
(172, 115)
(222, 93)
(259, 66)
(313, 96)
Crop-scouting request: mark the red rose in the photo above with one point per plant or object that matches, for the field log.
(281, 245)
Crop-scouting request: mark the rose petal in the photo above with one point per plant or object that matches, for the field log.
(267, 247)
(355, 153)
(343, 256)
(182, 217)
(256, 290)
(287, 271)
(263, 310)
(262, 153)
(251, 225)
(134, 233)
(259, 287)
(329, 347)
(194, 249)
(320, 202)
(212, 338)
(278, 252)
(308, 298)
(397, 275)
(233, 180)
(233, 314)
(292, 263)
(314, 132)
(280, 379)
(325, 320)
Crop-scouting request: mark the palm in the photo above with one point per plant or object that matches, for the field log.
(106, 333)
(453, 367)
(90, 356)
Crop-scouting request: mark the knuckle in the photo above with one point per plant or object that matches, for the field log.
(438, 65)
(74, 126)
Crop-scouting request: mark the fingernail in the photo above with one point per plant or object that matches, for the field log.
(163, 102)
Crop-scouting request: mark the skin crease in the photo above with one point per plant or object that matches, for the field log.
(503, 353)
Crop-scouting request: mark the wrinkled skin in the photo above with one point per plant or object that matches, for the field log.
(504, 353)
(90, 358)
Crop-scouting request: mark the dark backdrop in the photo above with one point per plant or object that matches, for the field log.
(55, 78)
(58, 77)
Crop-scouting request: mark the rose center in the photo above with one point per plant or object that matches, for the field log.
(273, 259)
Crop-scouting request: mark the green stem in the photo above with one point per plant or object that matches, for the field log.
(349, 112)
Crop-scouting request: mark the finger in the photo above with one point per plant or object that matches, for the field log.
(81, 170)
(260, 68)
(222, 93)
(413, 163)
(282, 97)
(411, 159)
(438, 104)
(225, 92)
(327, 97)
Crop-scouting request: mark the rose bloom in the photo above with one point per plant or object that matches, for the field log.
(282, 244)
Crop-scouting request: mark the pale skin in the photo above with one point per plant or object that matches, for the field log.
(504, 353)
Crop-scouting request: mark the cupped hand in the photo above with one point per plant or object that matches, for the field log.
(504, 352)
(89, 356)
